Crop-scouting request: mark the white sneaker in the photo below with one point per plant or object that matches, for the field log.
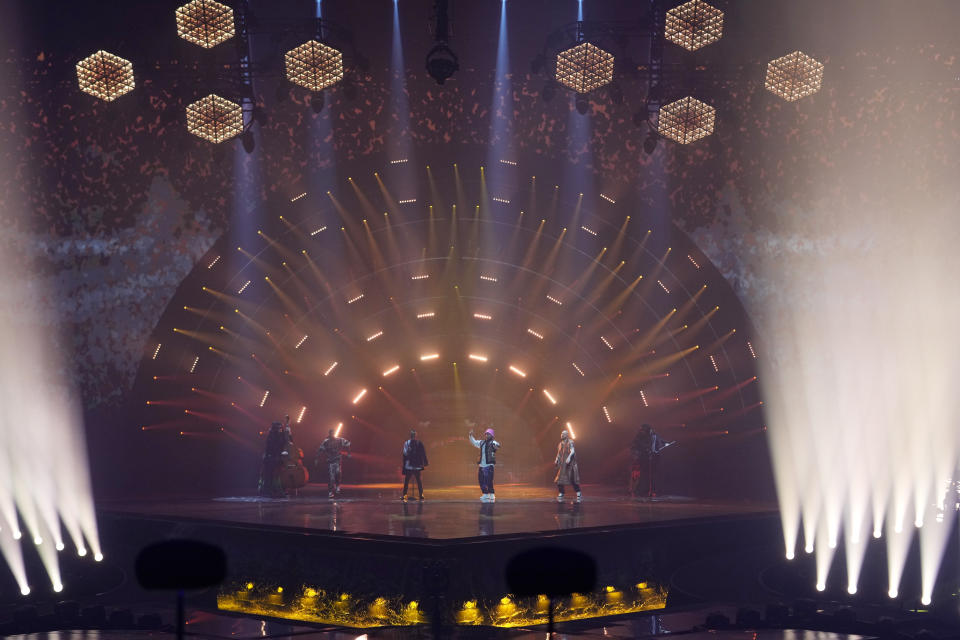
(485, 497)
(579, 497)
(559, 497)
(493, 498)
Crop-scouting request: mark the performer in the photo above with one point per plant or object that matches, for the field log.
(414, 461)
(272, 462)
(567, 470)
(645, 451)
(488, 453)
(333, 446)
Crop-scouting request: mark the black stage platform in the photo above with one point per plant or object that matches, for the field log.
(366, 559)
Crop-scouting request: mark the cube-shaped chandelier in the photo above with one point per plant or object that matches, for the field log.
(105, 76)
(693, 25)
(794, 76)
(205, 22)
(314, 65)
(584, 67)
(686, 120)
(214, 118)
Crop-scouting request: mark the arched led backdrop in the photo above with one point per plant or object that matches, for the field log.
(424, 297)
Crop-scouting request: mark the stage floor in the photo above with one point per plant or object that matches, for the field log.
(447, 513)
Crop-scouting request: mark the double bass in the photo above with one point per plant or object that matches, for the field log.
(293, 473)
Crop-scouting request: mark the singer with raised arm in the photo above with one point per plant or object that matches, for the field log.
(485, 465)
(333, 447)
(645, 451)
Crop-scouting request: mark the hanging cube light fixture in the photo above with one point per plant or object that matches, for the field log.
(694, 25)
(105, 75)
(584, 67)
(205, 23)
(794, 76)
(314, 65)
(686, 120)
(214, 118)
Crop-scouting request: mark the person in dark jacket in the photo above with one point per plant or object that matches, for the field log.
(272, 462)
(414, 462)
(486, 464)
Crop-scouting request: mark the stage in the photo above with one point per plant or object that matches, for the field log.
(449, 513)
(367, 559)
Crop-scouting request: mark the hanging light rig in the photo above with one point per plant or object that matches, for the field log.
(314, 65)
(441, 61)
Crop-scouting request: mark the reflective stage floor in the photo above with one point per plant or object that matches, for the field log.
(447, 513)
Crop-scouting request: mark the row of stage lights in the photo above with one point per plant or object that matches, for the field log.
(316, 66)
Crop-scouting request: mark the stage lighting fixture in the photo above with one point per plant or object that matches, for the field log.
(214, 118)
(794, 76)
(686, 120)
(249, 143)
(650, 143)
(205, 23)
(584, 67)
(582, 105)
(693, 25)
(314, 65)
(316, 102)
(442, 62)
(105, 76)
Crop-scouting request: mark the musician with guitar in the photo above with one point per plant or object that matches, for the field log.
(645, 450)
